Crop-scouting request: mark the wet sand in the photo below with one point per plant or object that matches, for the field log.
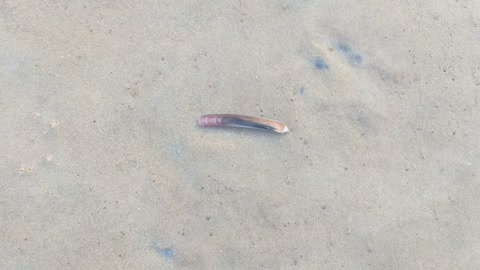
(105, 167)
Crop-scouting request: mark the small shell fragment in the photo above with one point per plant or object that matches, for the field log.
(236, 120)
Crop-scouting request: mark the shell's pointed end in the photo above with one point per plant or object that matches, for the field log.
(285, 130)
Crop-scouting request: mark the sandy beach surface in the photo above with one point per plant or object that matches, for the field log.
(103, 164)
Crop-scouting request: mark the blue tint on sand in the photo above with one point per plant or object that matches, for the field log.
(166, 253)
(320, 64)
(353, 57)
(302, 90)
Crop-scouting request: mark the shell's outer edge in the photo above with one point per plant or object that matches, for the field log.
(285, 130)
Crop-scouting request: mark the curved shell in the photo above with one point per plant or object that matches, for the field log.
(235, 120)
